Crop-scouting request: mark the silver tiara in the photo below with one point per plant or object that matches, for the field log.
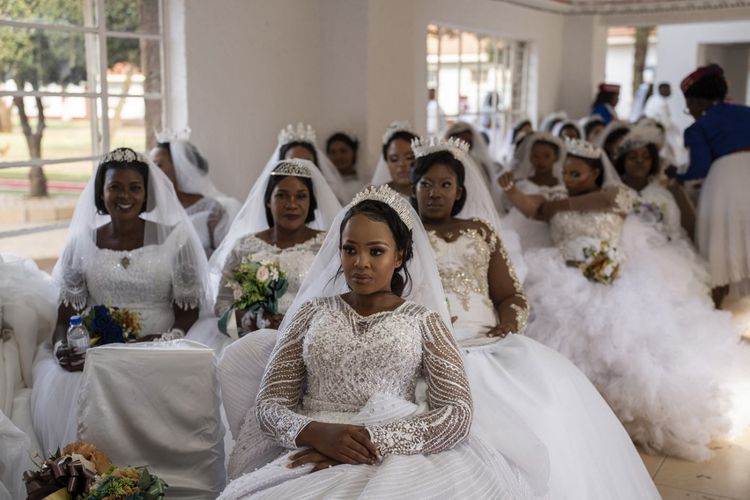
(122, 155)
(300, 133)
(391, 198)
(396, 127)
(169, 135)
(579, 147)
(293, 167)
(423, 146)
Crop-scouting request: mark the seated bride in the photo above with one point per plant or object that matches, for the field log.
(130, 246)
(340, 390)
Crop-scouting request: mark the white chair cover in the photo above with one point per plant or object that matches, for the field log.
(14, 459)
(157, 404)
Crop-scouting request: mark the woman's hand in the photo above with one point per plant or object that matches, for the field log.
(507, 182)
(501, 331)
(347, 444)
(70, 359)
(310, 456)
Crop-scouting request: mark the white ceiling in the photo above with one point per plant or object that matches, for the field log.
(628, 6)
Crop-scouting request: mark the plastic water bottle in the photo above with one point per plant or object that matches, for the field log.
(78, 336)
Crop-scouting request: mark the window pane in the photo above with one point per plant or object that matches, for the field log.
(134, 66)
(35, 59)
(449, 85)
(132, 122)
(71, 12)
(64, 133)
(133, 15)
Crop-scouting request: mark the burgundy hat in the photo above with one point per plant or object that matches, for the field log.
(612, 88)
(700, 73)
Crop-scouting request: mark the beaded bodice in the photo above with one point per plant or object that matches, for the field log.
(147, 280)
(295, 261)
(338, 360)
(570, 230)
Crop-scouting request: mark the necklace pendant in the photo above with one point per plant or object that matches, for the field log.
(125, 261)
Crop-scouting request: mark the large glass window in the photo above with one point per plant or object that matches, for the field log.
(77, 78)
(476, 78)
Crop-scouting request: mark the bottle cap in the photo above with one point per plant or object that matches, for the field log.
(75, 321)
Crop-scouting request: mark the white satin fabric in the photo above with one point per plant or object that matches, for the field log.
(157, 404)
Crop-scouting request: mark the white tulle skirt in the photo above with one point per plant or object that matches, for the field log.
(520, 385)
(723, 225)
(533, 233)
(657, 351)
(471, 469)
(54, 401)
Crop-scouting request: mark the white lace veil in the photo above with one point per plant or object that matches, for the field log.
(508, 148)
(546, 125)
(479, 204)
(479, 149)
(323, 279)
(565, 123)
(325, 165)
(523, 169)
(611, 127)
(191, 178)
(251, 218)
(167, 224)
(382, 174)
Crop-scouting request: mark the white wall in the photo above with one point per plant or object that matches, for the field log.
(252, 67)
(680, 52)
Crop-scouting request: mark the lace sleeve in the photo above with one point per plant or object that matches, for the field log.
(623, 201)
(448, 396)
(72, 279)
(281, 387)
(187, 286)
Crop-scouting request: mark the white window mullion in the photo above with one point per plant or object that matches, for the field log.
(103, 66)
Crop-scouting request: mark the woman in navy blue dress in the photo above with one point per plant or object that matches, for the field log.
(719, 145)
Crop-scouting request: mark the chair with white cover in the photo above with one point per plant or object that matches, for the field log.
(157, 404)
(240, 373)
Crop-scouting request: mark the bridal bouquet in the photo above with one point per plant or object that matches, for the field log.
(257, 287)
(600, 264)
(110, 325)
(82, 472)
(649, 212)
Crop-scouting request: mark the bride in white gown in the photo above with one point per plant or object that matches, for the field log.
(537, 172)
(565, 436)
(130, 245)
(342, 385)
(283, 219)
(395, 158)
(660, 360)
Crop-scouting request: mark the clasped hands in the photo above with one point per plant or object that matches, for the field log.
(333, 444)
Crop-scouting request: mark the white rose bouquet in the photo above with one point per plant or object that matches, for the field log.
(257, 287)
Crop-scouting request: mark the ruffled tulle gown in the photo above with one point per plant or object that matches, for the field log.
(661, 358)
(530, 402)
(147, 280)
(334, 365)
(295, 261)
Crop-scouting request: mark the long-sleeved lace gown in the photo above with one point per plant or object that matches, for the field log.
(333, 365)
(530, 402)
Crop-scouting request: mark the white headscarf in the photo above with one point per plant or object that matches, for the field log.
(382, 174)
(167, 223)
(565, 123)
(611, 127)
(323, 279)
(191, 170)
(479, 203)
(547, 122)
(523, 168)
(251, 218)
(638, 136)
(306, 134)
(510, 143)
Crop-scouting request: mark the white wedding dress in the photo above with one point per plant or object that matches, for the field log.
(660, 358)
(334, 365)
(533, 233)
(211, 222)
(295, 261)
(147, 280)
(529, 401)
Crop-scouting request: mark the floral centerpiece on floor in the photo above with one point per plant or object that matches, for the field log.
(257, 287)
(82, 472)
(111, 325)
(600, 264)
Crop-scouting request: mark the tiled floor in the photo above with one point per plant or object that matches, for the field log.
(726, 476)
